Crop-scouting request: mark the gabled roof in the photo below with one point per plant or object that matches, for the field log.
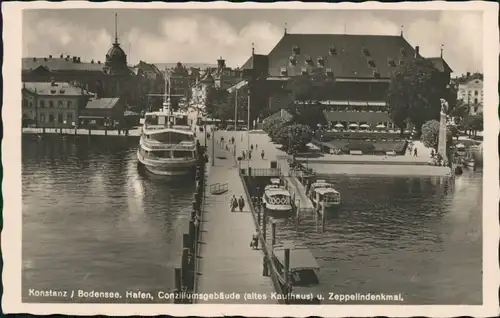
(59, 64)
(102, 103)
(440, 64)
(344, 54)
(467, 78)
(53, 89)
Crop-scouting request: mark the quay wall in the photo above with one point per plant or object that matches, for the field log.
(246, 180)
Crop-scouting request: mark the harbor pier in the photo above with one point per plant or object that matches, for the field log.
(227, 263)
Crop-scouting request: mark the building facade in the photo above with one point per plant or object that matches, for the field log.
(110, 78)
(100, 112)
(470, 91)
(52, 104)
(361, 66)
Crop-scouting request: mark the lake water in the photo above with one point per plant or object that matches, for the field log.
(92, 221)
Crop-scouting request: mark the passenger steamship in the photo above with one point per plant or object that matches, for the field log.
(167, 145)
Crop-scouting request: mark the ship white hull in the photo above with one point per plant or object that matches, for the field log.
(167, 167)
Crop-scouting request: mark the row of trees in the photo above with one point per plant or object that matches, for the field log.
(293, 137)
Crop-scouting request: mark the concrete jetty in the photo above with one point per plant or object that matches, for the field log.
(227, 263)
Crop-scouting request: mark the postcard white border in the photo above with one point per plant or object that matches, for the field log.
(11, 186)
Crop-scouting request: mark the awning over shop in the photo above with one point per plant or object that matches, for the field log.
(92, 117)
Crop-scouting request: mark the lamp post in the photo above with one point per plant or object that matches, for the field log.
(235, 119)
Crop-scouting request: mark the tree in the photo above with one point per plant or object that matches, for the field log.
(273, 126)
(414, 93)
(459, 112)
(430, 134)
(307, 91)
(217, 104)
(294, 138)
(473, 123)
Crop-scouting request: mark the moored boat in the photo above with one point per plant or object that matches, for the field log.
(304, 270)
(167, 144)
(323, 193)
(276, 198)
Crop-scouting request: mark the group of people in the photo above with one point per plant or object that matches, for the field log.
(248, 153)
(237, 203)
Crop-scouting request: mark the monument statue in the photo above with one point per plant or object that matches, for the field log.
(444, 106)
(443, 130)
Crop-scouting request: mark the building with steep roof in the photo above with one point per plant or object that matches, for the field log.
(112, 77)
(470, 91)
(100, 111)
(52, 104)
(360, 65)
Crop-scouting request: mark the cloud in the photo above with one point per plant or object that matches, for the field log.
(203, 38)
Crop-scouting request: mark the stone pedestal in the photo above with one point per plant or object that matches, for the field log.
(442, 137)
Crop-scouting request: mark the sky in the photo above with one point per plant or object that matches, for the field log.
(202, 36)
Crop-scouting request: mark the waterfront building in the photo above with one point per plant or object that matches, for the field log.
(152, 81)
(360, 65)
(470, 91)
(113, 76)
(100, 112)
(52, 104)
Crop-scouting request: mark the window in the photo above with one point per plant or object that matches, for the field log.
(51, 104)
(42, 103)
(69, 104)
(475, 100)
(42, 118)
(30, 104)
(60, 104)
(51, 118)
(476, 93)
(69, 118)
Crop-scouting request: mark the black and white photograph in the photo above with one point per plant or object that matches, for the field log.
(273, 159)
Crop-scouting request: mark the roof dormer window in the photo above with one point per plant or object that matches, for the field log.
(284, 71)
(333, 50)
(329, 72)
(296, 50)
(401, 62)
(391, 63)
(402, 51)
(376, 74)
(321, 61)
(366, 52)
(308, 60)
(53, 91)
(304, 70)
(371, 63)
(292, 60)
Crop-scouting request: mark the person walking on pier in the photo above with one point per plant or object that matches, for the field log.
(233, 203)
(262, 154)
(256, 147)
(415, 154)
(249, 154)
(251, 147)
(254, 243)
(241, 203)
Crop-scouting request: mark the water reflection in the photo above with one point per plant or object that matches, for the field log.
(90, 220)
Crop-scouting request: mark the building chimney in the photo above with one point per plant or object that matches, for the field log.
(221, 63)
(92, 61)
(62, 56)
(417, 51)
(74, 59)
(468, 74)
(50, 56)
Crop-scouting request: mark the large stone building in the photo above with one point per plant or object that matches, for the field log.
(470, 91)
(360, 65)
(52, 104)
(110, 78)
